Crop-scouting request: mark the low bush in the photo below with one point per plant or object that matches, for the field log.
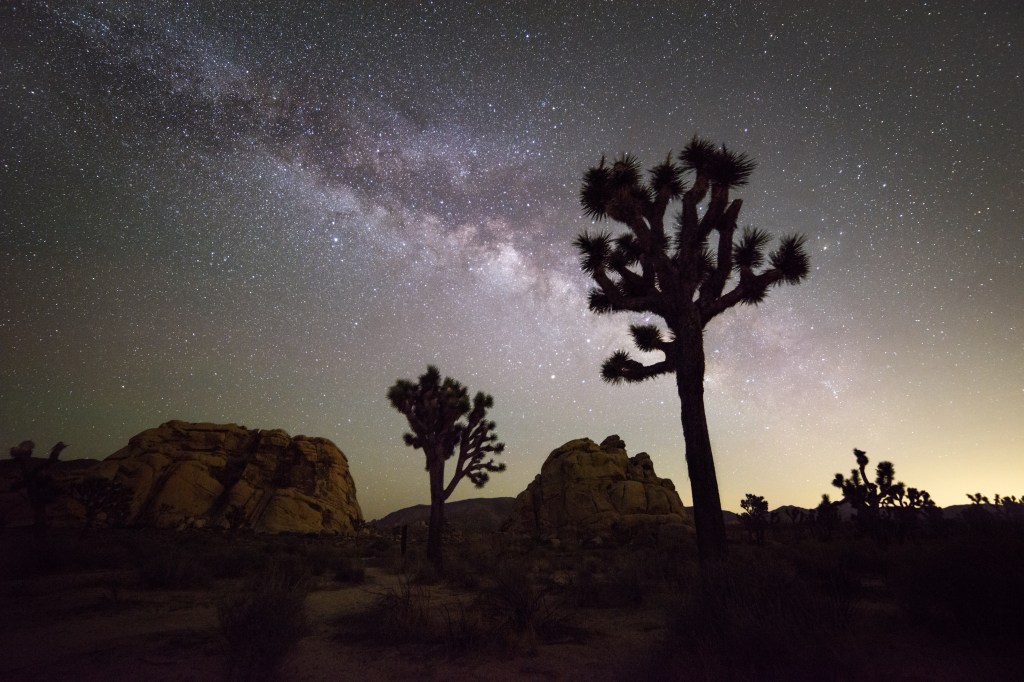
(409, 615)
(513, 602)
(265, 621)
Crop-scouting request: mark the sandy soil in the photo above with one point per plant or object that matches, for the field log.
(104, 626)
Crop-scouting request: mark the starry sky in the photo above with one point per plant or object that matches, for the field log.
(265, 213)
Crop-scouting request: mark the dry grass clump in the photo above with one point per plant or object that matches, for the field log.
(410, 615)
(263, 623)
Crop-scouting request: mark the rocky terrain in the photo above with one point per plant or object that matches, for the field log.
(590, 491)
(184, 474)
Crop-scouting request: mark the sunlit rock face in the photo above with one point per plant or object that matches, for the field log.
(182, 474)
(590, 490)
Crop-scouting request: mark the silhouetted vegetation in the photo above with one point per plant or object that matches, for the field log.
(39, 486)
(755, 516)
(102, 499)
(264, 622)
(796, 607)
(443, 422)
(679, 274)
(885, 508)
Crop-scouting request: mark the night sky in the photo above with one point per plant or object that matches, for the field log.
(266, 213)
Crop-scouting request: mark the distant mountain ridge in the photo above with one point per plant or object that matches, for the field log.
(481, 513)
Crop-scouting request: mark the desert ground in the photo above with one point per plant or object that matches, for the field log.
(205, 605)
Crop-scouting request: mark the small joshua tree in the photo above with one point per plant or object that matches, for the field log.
(755, 516)
(443, 422)
(39, 486)
(684, 275)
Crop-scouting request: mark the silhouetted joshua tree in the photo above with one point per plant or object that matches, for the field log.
(678, 274)
(879, 503)
(755, 516)
(39, 486)
(443, 422)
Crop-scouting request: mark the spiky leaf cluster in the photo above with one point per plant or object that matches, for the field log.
(433, 409)
(698, 273)
(444, 422)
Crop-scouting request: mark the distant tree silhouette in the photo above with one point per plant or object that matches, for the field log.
(443, 422)
(678, 274)
(883, 506)
(826, 518)
(755, 516)
(40, 488)
(984, 514)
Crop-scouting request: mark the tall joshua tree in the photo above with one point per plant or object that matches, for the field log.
(682, 275)
(443, 422)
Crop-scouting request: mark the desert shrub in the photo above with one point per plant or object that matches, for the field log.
(744, 620)
(410, 615)
(514, 604)
(415, 567)
(404, 614)
(265, 621)
(964, 588)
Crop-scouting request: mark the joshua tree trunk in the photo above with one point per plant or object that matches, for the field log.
(436, 530)
(681, 278)
(700, 463)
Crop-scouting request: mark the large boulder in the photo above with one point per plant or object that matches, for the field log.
(585, 490)
(183, 474)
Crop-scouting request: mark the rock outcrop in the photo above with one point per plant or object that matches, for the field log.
(183, 474)
(585, 491)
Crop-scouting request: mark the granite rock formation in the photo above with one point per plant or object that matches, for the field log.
(586, 491)
(183, 474)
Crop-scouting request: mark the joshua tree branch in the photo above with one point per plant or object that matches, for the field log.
(713, 287)
(619, 300)
(620, 367)
(750, 288)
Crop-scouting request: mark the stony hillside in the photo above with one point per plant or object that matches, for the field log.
(184, 474)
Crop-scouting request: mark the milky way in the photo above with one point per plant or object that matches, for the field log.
(235, 212)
